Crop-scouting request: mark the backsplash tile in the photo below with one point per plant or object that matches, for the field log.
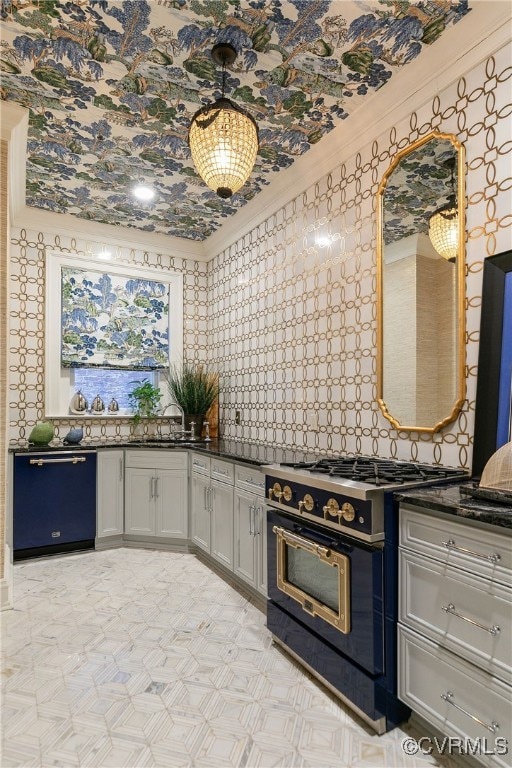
(27, 325)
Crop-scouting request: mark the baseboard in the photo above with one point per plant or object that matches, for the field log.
(6, 594)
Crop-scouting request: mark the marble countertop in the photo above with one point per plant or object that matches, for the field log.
(248, 453)
(454, 500)
(451, 499)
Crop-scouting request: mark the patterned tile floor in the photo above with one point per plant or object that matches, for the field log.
(134, 658)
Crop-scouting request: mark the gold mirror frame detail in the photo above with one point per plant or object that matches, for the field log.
(459, 361)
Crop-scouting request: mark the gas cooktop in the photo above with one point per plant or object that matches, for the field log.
(364, 474)
(347, 493)
(375, 471)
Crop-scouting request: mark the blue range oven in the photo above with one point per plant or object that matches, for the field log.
(332, 553)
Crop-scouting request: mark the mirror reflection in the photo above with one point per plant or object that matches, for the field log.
(420, 285)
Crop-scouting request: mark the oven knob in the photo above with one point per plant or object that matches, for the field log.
(287, 493)
(348, 512)
(275, 491)
(332, 508)
(307, 503)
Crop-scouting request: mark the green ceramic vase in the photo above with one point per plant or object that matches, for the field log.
(42, 433)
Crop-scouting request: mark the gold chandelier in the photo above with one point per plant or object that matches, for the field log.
(443, 225)
(223, 138)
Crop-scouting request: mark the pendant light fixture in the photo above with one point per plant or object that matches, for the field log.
(443, 224)
(223, 138)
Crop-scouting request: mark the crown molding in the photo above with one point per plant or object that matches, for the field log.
(14, 129)
(107, 234)
(478, 35)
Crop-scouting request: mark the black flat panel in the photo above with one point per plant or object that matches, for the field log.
(489, 359)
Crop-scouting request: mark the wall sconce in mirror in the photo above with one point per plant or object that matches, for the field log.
(420, 285)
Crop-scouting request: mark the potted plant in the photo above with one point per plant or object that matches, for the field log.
(144, 399)
(194, 389)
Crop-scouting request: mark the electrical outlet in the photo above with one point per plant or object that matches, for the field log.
(238, 417)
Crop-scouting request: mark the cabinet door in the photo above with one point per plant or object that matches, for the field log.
(110, 496)
(261, 547)
(140, 503)
(171, 504)
(222, 523)
(245, 539)
(200, 511)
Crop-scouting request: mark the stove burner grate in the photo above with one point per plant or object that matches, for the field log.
(375, 471)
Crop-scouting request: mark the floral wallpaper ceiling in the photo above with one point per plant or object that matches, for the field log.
(112, 87)
(422, 182)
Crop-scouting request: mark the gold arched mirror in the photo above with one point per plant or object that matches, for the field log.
(420, 285)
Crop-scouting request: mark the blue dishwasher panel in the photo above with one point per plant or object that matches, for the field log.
(54, 500)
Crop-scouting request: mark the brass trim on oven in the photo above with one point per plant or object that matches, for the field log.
(311, 605)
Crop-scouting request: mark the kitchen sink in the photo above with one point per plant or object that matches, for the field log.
(167, 443)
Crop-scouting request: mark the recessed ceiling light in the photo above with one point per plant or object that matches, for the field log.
(142, 192)
(104, 255)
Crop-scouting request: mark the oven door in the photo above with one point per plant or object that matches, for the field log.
(330, 583)
(315, 576)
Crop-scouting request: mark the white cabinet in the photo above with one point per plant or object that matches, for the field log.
(211, 509)
(110, 493)
(249, 528)
(455, 626)
(200, 510)
(221, 531)
(156, 494)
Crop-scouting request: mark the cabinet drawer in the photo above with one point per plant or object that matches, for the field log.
(427, 673)
(223, 471)
(460, 544)
(431, 594)
(152, 459)
(250, 479)
(200, 463)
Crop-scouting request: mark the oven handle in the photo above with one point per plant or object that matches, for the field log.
(310, 546)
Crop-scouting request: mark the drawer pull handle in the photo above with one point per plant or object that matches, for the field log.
(448, 697)
(450, 544)
(450, 608)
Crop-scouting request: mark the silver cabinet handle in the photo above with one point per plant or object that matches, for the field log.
(448, 697)
(259, 510)
(151, 491)
(120, 469)
(450, 544)
(251, 520)
(71, 460)
(206, 497)
(450, 608)
(157, 495)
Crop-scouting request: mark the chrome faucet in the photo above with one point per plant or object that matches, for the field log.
(183, 433)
